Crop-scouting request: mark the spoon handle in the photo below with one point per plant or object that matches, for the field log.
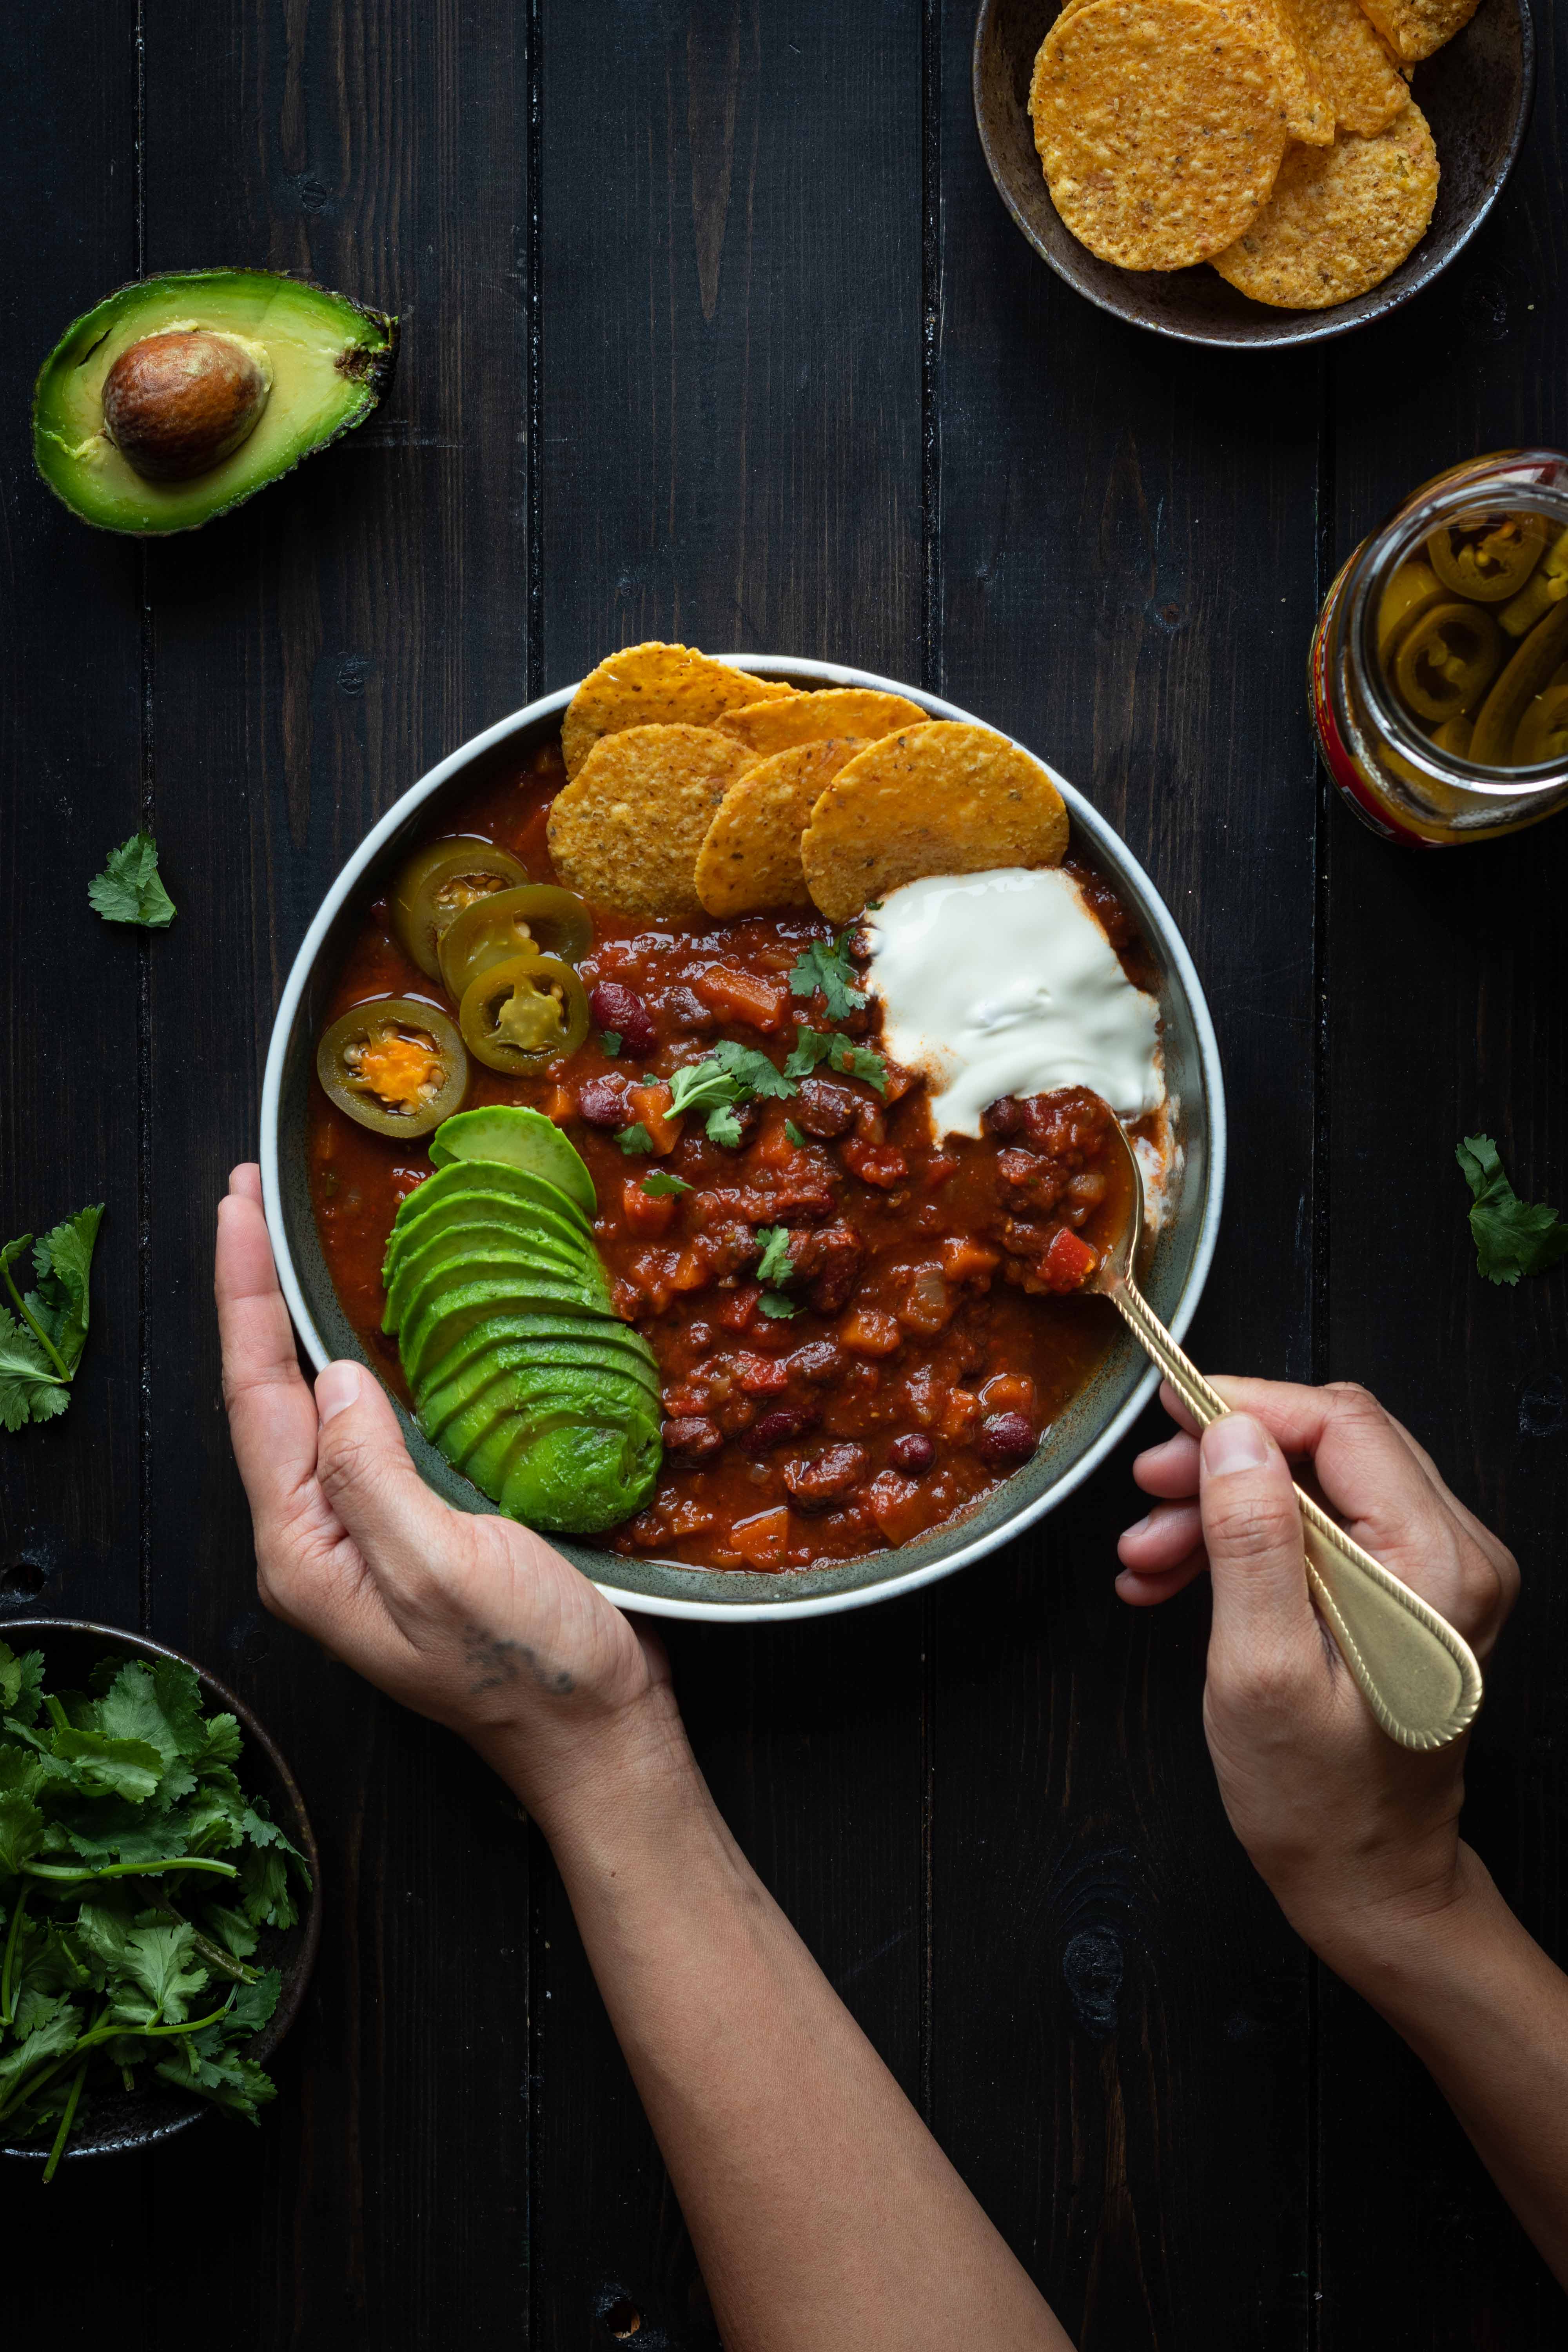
(1419, 1677)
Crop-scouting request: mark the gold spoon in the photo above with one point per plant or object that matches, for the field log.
(1419, 1677)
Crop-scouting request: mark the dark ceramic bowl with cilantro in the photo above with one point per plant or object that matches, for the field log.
(159, 1903)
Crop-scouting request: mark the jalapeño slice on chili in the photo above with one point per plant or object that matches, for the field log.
(521, 1014)
(1488, 559)
(536, 918)
(1446, 660)
(437, 884)
(394, 1065)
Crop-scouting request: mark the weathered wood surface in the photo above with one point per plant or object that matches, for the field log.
(714, 328)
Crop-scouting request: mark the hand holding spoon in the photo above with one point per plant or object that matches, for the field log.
(1419, 1677)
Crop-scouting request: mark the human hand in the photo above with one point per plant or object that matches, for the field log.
(473, 1621)
(1356, 1836)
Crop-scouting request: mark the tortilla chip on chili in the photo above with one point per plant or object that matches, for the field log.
(1363, 85)
(942, 798)
(837, 711)
(656, 686)
(750, 859)
(626, 831)
(1340, 219)
(1161, 125)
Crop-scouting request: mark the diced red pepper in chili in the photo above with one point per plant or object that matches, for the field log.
(1068, 1262)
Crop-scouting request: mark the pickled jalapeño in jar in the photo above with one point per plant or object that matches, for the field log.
(1438, 676)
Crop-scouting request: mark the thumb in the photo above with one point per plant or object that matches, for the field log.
(1252, 1531)
(367, 1475)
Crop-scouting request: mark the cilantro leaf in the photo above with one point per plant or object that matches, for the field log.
(635, 1137)
(659, 1182)
(776, 1306)
(129, 889)
(21, 1831)
(730, 1074)
(697, 1085)
(63, 1264)
(753, 1072)
(128, 1767)
(161, 1962)
(775, 1264)
(31, 1389)
(1511, 1236)
(825, 965)
(610, 1039)
(793, 1135)
(811, 1046)
(724, 1126)
(21, 1680)
(859, 1062)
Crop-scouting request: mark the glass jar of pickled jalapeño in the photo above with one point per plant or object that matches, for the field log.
(1439, 664)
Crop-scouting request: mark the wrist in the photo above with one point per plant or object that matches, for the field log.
(596, 1773)
(1388, 1951)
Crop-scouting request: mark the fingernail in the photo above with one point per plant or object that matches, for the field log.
(337, 1388)
(1236, 1442)
(1138, 1524)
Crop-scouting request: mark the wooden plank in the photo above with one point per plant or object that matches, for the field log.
(1446, 1019)
(1124, 577)
(733, 457)
(310, 656)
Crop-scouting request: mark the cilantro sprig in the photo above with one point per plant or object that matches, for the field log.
(730, 1074)
(824, 965)
(775, 1266)
(1511, 1236)
(129, 889)
(41, 1343)
(663, 1183)
(137, 1879)
(813, 1046)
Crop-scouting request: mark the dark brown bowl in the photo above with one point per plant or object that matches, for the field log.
(120, 2120)
(1475, 93)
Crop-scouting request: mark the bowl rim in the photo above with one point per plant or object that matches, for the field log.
(1291, 329)
(1105, 840)
(296, 1982)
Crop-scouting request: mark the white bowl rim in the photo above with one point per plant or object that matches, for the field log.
(1172, 944)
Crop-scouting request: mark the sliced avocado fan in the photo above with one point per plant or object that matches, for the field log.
(521, 1373)
(176, 398)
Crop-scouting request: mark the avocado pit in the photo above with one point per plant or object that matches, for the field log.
(176, 403)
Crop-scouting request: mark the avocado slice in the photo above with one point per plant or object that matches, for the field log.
(468, 1206)
(477, 1249)
(500, 1282)
(575, 1480)
(198, 357)
(519, 1138)
(451, 1310)
(622, 1353)
(481, 1434)
(450, 1393)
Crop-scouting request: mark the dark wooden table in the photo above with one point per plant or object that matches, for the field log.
(715, 328)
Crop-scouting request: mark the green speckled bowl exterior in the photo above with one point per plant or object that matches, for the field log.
(1071, 1448)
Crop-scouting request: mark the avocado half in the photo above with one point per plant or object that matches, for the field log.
(329, 360)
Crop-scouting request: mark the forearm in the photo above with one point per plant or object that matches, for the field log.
(1487, 2012)
(823, 2213)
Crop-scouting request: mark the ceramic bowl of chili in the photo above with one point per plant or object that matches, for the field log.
(1078, 1440)
(120, 2121)
(1476, 92)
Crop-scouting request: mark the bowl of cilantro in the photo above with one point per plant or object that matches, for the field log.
(159, 1894)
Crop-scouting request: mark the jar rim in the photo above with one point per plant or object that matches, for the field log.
(1526, 482)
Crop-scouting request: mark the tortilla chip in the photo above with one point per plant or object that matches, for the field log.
(1364, 88)
(626, 830)
(750, 859)
(1309, 116)
(1414, 28)
(1341, 218)
(942, 798)
(656, 686)
(837, 711)
(1161, 124)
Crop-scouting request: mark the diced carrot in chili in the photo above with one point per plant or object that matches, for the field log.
(1009, 1392)
(651, 1105)
(560, 1105)
(761, 1540)
(1068, 1262)
(761, 1375)
(960, 1411)
(869, 1332)
(739, 1313)
(965, 1260)
(900, 1507)
(646, 1213)
(691, 1269)
(928, 1305)
(742, 995)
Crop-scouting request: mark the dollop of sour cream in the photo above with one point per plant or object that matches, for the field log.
(1005, 984)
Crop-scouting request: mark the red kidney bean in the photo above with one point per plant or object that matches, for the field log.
(692, 1438)
(1004, 1437)
(616, 1006)
(912, 1455)
(602, 1102)
(777, 1428)
(817, 1485)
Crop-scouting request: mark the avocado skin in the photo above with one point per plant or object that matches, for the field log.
(370, 369)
